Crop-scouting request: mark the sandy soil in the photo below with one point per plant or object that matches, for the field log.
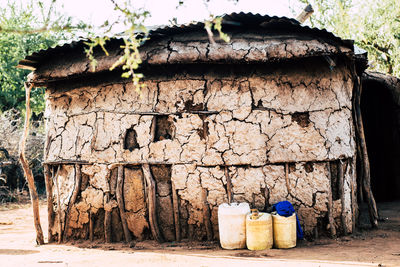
(366, 247)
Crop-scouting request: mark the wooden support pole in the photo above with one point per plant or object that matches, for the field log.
(27, 170)
(58, 206)
(72, 201)
(359, 178)
(120, 201)
(206, 215)
(66, 162)
(228, 185)
(175, 204)
(153, 129)
(107, 219)
(305, 14)
(91, 229)
(354, 208)
(287, 177)
(49, 193)
(330, 204)
(152, 203)
(342, 196)
(366, 183)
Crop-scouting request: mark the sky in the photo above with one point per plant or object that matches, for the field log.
(163, 10)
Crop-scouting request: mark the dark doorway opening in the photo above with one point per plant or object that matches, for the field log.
(380, 117)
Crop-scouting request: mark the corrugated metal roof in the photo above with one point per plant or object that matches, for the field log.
(230, 22)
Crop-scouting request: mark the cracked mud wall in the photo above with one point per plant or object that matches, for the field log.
(199, 125)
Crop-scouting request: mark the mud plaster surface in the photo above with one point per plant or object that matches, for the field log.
(187, 48)
(254, 125)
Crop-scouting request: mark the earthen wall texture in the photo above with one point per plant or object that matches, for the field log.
(194, 131)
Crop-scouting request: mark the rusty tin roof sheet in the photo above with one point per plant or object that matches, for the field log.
(230, 22)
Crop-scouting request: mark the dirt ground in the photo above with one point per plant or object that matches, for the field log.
(366, 247)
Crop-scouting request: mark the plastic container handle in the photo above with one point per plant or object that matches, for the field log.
(254, 214)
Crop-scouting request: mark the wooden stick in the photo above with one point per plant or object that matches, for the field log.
(66, 161)
(27, 170)
(91, 230)
(120, 201)
(373, 211)
(175, 203)
(330, 205)
(305, 14)
(72, 201)
(59, 206)
(287, 177)
(228, 185)
(359, 177)
(151, 202)
(49, 193)
(354, 207)
(205, 112)
(153, 129)
(342, 199)
(206, 215)
(107, 221)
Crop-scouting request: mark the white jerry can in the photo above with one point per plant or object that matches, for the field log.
(232, 225)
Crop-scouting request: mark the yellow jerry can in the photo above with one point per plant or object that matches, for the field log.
(259, 232)
(284, 230)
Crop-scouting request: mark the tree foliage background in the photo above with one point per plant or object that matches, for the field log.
(26, 27)
(374, 25)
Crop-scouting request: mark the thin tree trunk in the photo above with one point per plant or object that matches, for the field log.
(49, 192)
(28, 172)
(152, 203)
(120, 201)
(366, 183)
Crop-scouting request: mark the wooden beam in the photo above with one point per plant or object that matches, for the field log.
(66, 161)
(152, 203)
(121, 206)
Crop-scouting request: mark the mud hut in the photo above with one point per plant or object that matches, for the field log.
(264, 118)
